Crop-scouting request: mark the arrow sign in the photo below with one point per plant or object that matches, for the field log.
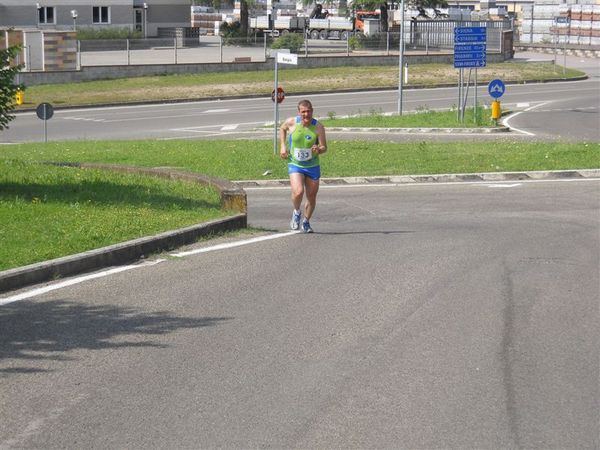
(469, 63)
(469, 30)
(468, 55)
(469, 48)
(469, 39)
(496, 88)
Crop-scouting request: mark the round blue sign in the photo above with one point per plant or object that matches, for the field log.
(496, 88)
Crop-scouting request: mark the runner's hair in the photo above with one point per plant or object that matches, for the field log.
(305, 103)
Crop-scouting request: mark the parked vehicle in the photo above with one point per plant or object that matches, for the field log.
(328, 27)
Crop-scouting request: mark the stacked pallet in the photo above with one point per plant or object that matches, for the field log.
(548, 21)
(206, 19)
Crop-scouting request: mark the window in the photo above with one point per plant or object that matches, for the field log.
(46, 15)
(100, 14)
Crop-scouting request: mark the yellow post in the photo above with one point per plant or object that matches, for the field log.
(496, 111)
(19, 97)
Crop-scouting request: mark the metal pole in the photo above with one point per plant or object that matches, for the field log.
(45, 125)
(175, 47)
(221, 48)
(475, 98)
(401, 59)
(564, 56)
(459, 95)
(276, 110)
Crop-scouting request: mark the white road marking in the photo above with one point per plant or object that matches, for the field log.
(507, 120)
(233, 244)
(209, 111)
(504, 185)
(72, 281)
(229, 127)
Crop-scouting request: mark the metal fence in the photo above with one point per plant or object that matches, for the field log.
(423, 35)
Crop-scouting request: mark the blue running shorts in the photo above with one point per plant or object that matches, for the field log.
(314, 173)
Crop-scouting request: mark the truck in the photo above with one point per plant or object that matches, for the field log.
(329, 27)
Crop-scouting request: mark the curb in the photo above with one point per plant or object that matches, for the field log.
(113, 255)
(437, 178)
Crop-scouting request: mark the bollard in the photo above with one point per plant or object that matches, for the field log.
(496, 111)
(19, 97)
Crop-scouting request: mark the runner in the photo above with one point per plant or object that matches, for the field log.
(302, 140)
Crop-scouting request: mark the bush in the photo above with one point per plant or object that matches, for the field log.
(88, 34)
(291, 41)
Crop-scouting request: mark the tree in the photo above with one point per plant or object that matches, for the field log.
(8, 88)
(419, 5)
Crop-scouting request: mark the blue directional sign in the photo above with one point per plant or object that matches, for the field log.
(470, 47)
(496, 88)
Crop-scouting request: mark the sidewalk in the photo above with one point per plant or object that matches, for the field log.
(134, 250)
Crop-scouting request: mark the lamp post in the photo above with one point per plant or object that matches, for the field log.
(74, 16)
(145, 20)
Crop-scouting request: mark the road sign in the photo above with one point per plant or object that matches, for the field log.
(470, 47)
(496, 88)
(562, 19)
(44, 111)
(287, 58)
(470, 35)
(280, 95)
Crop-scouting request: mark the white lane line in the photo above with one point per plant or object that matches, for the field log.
(210, 111)
(233, 244)
(229, 127)
(507, 120)
(72, 281)
(504, 185)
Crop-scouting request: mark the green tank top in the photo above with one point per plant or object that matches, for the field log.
(300, 143)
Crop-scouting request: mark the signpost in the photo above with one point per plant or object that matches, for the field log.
(470, 49)
(496, 90)
(45, 111)
(283, 57)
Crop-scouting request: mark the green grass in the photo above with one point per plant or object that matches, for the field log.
(421, 119)
(47, 211)
(295, 80)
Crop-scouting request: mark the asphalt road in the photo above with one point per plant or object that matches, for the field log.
(417, 316)
(549, 111)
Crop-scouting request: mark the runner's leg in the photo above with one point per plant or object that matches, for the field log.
(297, 185)
(312, 187)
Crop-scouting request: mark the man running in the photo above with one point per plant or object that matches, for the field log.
(302, 140)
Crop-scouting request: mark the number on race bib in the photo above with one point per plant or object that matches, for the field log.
(302, 154)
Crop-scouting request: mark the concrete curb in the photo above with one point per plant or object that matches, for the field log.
(437, 178)
(113, 255)
(420, 130)
(233, 198)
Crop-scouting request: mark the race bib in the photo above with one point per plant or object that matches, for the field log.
(302, 154)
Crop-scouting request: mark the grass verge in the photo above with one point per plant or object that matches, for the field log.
(423, 118)
(47, 211)
(204, 85)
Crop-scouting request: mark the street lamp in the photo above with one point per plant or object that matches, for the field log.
(74, 16)
(145, 20)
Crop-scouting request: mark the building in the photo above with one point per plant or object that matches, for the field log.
(146, 16)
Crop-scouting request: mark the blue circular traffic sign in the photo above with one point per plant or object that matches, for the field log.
(496, 88)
